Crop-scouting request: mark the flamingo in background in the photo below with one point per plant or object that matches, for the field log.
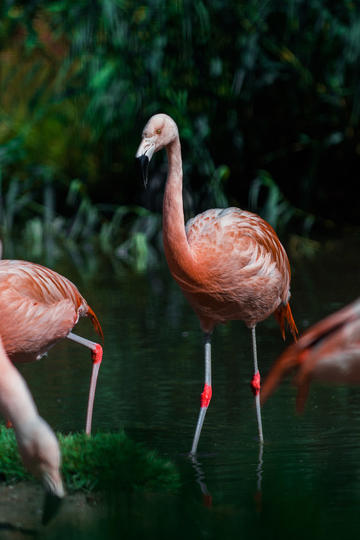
(36, 441)
(38, 308)
(229, 263)
(328, 351)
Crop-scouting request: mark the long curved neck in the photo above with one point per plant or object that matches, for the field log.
(177, 249)
(16, 403)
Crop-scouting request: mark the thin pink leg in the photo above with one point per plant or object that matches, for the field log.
(255, 385)
(206, 394)
(96, 354)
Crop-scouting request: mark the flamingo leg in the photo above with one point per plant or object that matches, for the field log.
(255, 385)
(96, 354)
(206, 394)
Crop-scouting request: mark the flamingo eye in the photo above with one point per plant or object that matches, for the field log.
(158, 131)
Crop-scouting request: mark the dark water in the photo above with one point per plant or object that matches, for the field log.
(306, 482)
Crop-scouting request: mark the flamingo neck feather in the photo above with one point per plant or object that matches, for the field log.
(177, 249)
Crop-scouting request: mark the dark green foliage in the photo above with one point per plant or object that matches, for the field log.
(254, 86)
(105, 461)
(11, 466)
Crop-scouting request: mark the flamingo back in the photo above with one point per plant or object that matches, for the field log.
(245, 272)
(39, 307)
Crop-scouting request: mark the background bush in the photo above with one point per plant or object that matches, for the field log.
(266, 95)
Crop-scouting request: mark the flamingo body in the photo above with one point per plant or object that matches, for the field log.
(229, 263)
(39, 307)
(329, 351)
(246, 272)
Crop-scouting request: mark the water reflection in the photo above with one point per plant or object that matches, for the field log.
(200, 479)
(259, 475)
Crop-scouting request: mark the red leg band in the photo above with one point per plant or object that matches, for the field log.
(255, 383)
(303, 355)
(206, 396)
(97, 354)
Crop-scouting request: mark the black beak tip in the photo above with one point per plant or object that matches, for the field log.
(144, 165)
(51, 507)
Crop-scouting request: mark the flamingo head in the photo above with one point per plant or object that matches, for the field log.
(40, 453)
(159, 132)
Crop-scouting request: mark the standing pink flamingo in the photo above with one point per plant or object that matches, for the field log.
(38, 308)
(229, 263)
(36, 441)
(328, 351)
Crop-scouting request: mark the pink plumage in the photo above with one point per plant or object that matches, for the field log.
(38, 308)
(328, 351)
(246, 270)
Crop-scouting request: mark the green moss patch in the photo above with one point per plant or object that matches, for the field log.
(101, 462)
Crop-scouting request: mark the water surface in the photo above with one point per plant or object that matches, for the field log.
(306, 481)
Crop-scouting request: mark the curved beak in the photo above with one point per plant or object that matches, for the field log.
(54, 495)
(51, 507)
(144, 154)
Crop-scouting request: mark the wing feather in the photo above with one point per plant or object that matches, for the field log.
(245, 262)
(38, 307)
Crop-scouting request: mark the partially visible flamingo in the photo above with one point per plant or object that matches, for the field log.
(328, 351)
(228, 262)
(38, 308)
(36, 441)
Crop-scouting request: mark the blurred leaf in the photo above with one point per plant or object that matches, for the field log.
(251, 85)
